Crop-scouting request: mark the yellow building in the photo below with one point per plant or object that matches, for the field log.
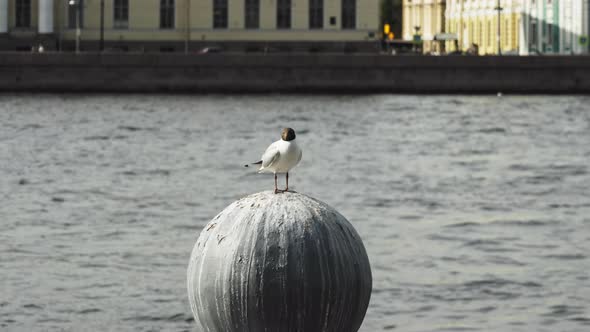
(184, 24)
(423, 18)
(475, 22)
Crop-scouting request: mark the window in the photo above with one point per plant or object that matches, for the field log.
(550, 34)
(166, 14)
(316, 14)
(23, 13)
(77, 6)
(252, 13)
(348, 14)
(284, 14)
(121, 18)
(219, 14)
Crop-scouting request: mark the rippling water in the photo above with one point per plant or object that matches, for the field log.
(475, 211)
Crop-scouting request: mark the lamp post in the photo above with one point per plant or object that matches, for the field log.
(101, 46)
(187, 37)
(75, 4)
(499, 9)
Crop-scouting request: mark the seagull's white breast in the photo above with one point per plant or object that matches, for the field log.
(280, 157)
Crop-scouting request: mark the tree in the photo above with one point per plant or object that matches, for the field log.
(391, 12)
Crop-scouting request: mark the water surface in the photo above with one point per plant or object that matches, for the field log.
(475, 211)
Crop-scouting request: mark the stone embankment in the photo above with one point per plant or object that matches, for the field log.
(326, 73)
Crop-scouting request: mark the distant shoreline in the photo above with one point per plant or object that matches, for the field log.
(292, 73)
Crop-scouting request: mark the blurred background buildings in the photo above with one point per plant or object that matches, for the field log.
(491, 27)
(176, 25)
(483, 27)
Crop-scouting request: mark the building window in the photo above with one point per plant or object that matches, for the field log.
(252, 13)
(284, 14)
(348, 14)
(77, 6)
(23, 13)
(121, 18)
(219, 14)
(316, 14)
(550, 34)
(166, 14)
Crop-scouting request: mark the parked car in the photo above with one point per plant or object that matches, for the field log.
(210, 49)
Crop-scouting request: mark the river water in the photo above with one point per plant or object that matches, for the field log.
(475, 210)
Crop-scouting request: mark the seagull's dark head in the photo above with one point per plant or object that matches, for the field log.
(288, 134)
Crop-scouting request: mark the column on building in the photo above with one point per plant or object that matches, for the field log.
(536, 27)
(420, 19)
(449, 13)
(516, 9)
(585, 25)
(477, 18)
(572, 30)
(492, 28)
(410, 19)
(523, 29)
(573, 26)
(3, 16)
(470, 18)
(45, 16)
(427, 20)
(415, 18)
(406, 20)
(440, 16)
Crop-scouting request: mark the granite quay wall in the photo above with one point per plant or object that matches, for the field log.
(326, 73)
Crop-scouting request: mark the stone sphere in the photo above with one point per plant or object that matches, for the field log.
(279, 262)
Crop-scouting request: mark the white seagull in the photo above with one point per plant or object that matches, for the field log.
(280, 157)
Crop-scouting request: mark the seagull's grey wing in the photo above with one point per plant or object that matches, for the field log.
(270, 156)
(300, 155)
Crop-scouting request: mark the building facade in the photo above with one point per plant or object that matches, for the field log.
(555, 27)
(423, 19)
(479, 24)
(182, 24)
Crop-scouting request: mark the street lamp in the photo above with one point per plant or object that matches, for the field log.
(101, 46)
(499, 9)
(75, 5)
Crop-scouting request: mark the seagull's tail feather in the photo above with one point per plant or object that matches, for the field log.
(256, 163)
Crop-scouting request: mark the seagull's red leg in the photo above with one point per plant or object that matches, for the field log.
(287, 189)
(276, 189)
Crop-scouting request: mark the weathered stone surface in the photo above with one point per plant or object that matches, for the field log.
(279, 262)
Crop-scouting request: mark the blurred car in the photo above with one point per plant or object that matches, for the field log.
(210, 49)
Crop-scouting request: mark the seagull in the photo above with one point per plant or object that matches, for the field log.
(280, 157)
